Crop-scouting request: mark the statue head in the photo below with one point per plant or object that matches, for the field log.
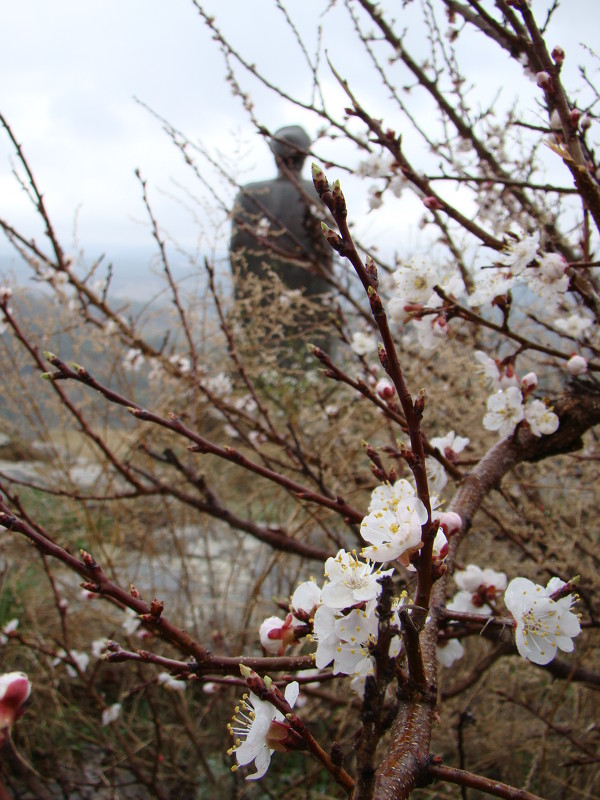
(290, 145)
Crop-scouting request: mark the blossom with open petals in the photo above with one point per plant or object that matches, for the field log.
(351, 581)
(541, 419)
(394, 529)
(504, 411)
(519, 253)
(543, 625)
(449, 651)
(255, 730)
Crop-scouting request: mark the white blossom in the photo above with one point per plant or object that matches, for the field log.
(251, 726)
(450, 444)
(493, 376)
(541, 419)
(99, 647)
(111, 714)
(170, 683)
(394, 530)
(415, 280)
(489, 284)
(219, 384)
(450, 651)
(363, 343)
(351, 581)
(543, 625)
(519, 253)
(575, 324)
(504, 411)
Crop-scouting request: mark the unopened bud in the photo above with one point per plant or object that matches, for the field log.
(385, 389)
(558, 55)
(419, 404)
(319, 180)
(575, 116)
(585, 122)
(432, 203)
(544, 80)
(529, 382)
(577, 365)
(87, 559)
(338, 204)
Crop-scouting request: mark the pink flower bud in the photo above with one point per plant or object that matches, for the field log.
(585, 122)
(450, 522)
(575, 116)
(432, 203)
(15, 688)
(529, 382)
(385, 389)
(558, 54)
(544, 80)
(577, 365)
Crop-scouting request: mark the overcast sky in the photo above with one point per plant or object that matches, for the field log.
(69, 73)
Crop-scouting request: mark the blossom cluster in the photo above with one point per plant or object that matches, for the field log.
(512, 403)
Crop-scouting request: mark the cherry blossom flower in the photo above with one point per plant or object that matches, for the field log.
(505, 411)
(495, 377)
(111, 714)
(519, 253)
(436, 475)
(351, 581)
(99, 647)
(171, 683)
(363, 343)
(305, 600)
(541, 419)
(395, 531)
(574, 325)
(259, 729)
(15, 689)
(79, 661)
(450, 444)
(473, 578)
(490, 284)
(415, 280)
(450, 651)
(275, 634)
(219, 384)
(543, 625)
(478, 587)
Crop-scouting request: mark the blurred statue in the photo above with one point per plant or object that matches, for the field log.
(274, 228)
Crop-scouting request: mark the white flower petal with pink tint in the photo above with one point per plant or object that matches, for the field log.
(543, 625)
(504, 411)
(541, 419)
(15, 689)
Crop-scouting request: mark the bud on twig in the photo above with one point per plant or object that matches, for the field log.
(419, 404)
(338, 204)
(383, 356)
(332, 237)
(319, 180)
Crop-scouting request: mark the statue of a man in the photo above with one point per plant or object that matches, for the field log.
(274, 229)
